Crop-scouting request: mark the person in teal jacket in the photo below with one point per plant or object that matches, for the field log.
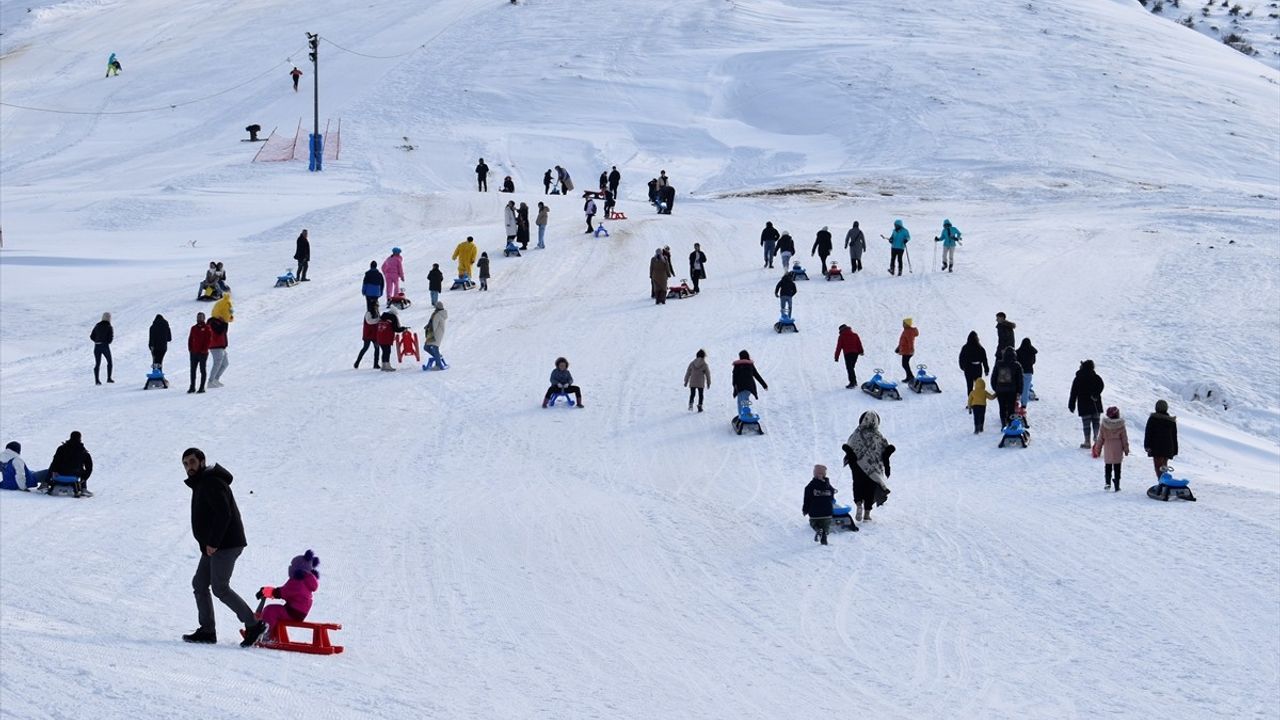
(898, 245)
(949, 238)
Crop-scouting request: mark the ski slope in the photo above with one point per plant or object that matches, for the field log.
(1117, 179)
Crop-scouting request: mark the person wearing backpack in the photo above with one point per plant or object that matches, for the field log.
(1006, 381)
(1086, 395)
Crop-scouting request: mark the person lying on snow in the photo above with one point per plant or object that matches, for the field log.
(14, 472)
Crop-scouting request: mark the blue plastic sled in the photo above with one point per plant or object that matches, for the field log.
(286, 280)
(843, 514)
(786, 323)
(1169, 486)
(798, 273)
(1014, 432)
(746, 420)
(155, 379)
(511, 250)
(66, 486)
(924, 381)
(557, 396)
(879, 388)
(462, 282)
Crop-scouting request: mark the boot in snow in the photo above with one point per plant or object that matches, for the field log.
(252, 633)
(201, 636)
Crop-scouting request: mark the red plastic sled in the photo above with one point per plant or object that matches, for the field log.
(407, 344)
(616, 216)
(319, 645)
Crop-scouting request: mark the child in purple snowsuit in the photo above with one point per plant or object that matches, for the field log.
(304, 579)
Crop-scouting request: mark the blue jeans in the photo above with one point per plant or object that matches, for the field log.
(1026, 388)
(768, 253)
(744, 399)
(785, 303)
(435, 296)
(542, 232)
(434, 351)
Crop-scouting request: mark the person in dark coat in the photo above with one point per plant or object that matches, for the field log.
(1004, 334)
(508, 185)
(71, 459)
(856, 242)
(1086, 396)
(769, 241)
(1161, 437)
(373, 284)
(819, 503)
(822, 246)
(604, 180)
(1027, 359)
(198, 341)
(219, 535)
(658, 277)
(973, 361)
(785, 291)
(653, 191)
(786, 248)
(483, 265)
(303, 255)
(667, 197)
(745, 376)
(435, 282)
(522, 227)
(102, 335)
(482, 176)
(697, 266)
(546, 182)
(615, 178)
(158, 339)
(1006, 383)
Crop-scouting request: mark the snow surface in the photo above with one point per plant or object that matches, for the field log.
(1117, 179)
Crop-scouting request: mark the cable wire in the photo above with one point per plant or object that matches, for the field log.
(375, 57)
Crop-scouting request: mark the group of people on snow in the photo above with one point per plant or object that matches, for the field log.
(776, 243)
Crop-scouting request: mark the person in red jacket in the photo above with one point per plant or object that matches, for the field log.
(851, 345)
(387, 329)
(198, 345)
(369, 334)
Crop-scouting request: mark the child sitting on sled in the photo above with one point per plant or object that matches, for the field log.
(304, 579)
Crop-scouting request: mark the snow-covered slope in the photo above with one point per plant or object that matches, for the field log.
(1117, 180)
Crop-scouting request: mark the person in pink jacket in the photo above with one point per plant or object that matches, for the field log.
(1112, 444)
(393, 271)
(304, 579)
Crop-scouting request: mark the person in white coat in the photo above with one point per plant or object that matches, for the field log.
(509, 218)
(433, 333)
(14, 473)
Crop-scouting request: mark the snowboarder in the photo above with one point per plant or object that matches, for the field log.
(589, 209)
(369, 335)
(483, 266)
(697, 377)
(302, 253)
(949, 238)
(482, 176)
(856, 242)
(371, 287)
(297, 591)
(435, 282)
(898, 245)
(522, 226)
(866, 452)
(14, 472)
(562, 382)
(744, 378)
(158, 339)
(71, 459)
(977, 403)
(508, 185)
(198, 340)
(465, 254)
(658, 277)
(393, 271)
(219, 535)
(822, 246)
(1161, 437)
(509, 221)
(907, 345)
(697, 266)
(546, 182)
(819, 502)
(433, 331)
(850, 344)
(1026, 354)
(295, 73)
(785, 291)
(102, 335)
(218, 327)
(1006, 381)
(388, 328)
(1004, 334)
(541, 222)
(769, 241)
(973, 360)
(1112, 444)
(615, 178)
(1086, 394)
(786, 248)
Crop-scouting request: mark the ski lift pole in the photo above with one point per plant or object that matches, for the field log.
(316, 157)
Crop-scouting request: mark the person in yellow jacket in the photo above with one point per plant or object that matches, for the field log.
(977, 404)
(465, 254)
(222, 309)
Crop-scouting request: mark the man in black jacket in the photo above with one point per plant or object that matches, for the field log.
(303, 255)
(219, 533)
(615, 177)
(71, 459)
(785, 291)
(482, 176)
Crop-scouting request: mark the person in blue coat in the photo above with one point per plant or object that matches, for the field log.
(373, 285)
(14, 473)
(898, 245)
(949, 238)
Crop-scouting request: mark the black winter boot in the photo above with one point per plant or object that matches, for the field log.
(252, 633)
(202, 636)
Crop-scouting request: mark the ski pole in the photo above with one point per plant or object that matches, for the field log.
(935, 254)
(906, 251)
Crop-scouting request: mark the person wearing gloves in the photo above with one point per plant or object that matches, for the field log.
(562, 382)
(433, 333)
(297, 591)
(907, 345)
(850, 344)
(819, 503)
(744, 379)
(949, 238)
(393, 271)
(898, 245)
(1160, 439)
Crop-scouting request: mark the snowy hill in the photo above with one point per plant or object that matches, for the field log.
(1253, 29)
(1118, 183)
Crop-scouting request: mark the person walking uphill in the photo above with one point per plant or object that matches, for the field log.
(769, 241)
(822, 246)
(102, 335)
(697, 377)
(296, 74)
(785, 291)
(866, 452)
(158, 339)
(302, 253)
(393, 271)
(482, 176)
(1161, 437)
(786, 248)
(850, 344)
(898, 245)
(973, 360)
(744, 378)
(907, 345)
(435, 282)
(658, 277)
(1006, 382)
(1004, 334)
(219, 535)
(198, 341)
(856, 242)
(1086, 395)
(1026, 354)
(977, 403)
(819, 503)
(465, 253)
(1112, 445)
(371, 287)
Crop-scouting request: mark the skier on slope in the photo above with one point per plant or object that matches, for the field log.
(769, 241)
(867, 453)
(819, 502)
(949, 238)
(898, 245)
(295, 73)
(856, 242)
(822, 246)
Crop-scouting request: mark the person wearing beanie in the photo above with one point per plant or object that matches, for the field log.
(744, 380)
(658, 278)
(433, 333)
(697, 377)
(819, 501)
(1112, 445)
(1086, 394)
(102, 335)
(898, 245)
(296, 592)
(369, 335)
(949, 238)
(393, 271)
(1161, 437)
(822, 246)
(71, 459)
(1006, 382)
(1026, 354)
(14, 473)
(907, 345)
(973, 360)
(850, 344)
(856, 241)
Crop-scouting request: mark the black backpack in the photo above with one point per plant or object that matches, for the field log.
(1004, 376)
